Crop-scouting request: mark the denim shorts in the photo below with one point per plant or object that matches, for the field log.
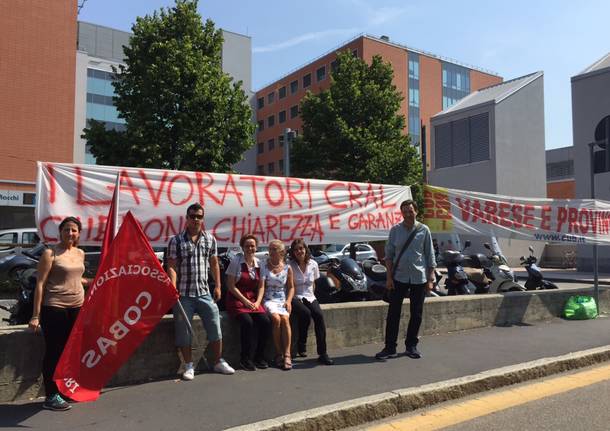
(207, 310)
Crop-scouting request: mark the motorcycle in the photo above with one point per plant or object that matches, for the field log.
(465, 274)
(376, 275)
(347, 282)
(21, 311)
(535, 279)
(503, 278)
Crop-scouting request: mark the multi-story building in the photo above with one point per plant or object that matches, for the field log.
(591, 133)
(55, 74)
(429, 84)
(560, 182)
(37, 62)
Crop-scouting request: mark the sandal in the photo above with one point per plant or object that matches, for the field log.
(279, 361)
(287, 363)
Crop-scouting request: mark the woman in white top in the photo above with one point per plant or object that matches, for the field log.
(304, 304)
(276, 282)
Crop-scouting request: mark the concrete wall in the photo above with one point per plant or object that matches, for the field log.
(590, 103)
(349, 324)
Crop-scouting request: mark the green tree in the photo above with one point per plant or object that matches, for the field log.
(181, 110)
(354, 130)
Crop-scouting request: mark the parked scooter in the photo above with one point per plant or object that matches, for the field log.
(456, 282)
(376, 275)
(535, 279)
(347, 282)
(477, 268)
(504, 279)
(21, 311)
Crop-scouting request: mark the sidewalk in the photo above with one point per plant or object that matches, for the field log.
(216, 402)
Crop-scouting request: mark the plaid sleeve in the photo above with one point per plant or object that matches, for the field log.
(213, 248)
(172, 253)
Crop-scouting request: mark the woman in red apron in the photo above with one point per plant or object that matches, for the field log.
(244, 303)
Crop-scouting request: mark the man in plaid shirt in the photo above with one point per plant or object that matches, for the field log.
(191, 254)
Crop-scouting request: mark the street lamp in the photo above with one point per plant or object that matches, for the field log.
(602, 136)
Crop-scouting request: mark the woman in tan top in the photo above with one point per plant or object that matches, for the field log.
(58, 297)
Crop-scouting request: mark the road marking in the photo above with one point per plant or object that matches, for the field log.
(483, 405)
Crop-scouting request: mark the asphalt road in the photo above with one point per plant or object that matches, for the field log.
(572, 409)
(216, 402)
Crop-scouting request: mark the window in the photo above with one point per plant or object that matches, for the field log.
(261, 125)
(280, 140)
(260, 102)
(271, 168)
(321, 74)
(260, 170)
(294, 111)
(280, 164)
(271, 144)
(557, 170)
(355, 53)
(333, 66)
(7, 239)
(271, 97)
(30, 238)
(282, 92)
(462, 141)
(261, 148)
(294, 87)
(281, 117)
(307, 80)
(271, 121)
(414, 97)
(456, 83)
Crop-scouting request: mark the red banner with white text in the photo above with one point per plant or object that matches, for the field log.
(270, 208)
(569, 221)
(126, 300)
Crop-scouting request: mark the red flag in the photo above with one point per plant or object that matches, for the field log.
(127, 299)
(112, 221)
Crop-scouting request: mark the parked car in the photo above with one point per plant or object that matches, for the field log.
(363, 251)
(13, 240)
(12, 265)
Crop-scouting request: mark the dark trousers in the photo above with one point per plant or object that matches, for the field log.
(255, 328)
(304, 311)
(417, 294)
(56, 325)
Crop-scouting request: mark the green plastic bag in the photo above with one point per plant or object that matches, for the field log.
(580, 307)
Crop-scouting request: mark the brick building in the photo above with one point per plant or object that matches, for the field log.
(37, 85)
(428, 83)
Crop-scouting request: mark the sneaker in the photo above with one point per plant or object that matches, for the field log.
(189, 372)
(55, 402)
(247, 364)
(386, 354)
(412, 352)
(261, 364)
(324, 359)
(223, 368)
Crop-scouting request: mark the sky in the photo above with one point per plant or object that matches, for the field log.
(511, 38)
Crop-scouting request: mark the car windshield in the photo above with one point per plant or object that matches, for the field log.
(334, 247)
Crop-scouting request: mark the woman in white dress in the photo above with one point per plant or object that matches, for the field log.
(276, 281)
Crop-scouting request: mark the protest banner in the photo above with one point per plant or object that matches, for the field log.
(270, 208)
(128, 297)
(570, 221)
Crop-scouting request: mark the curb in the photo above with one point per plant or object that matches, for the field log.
(367, 409)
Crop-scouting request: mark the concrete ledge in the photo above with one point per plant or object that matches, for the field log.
(350, 324)
(362, 410)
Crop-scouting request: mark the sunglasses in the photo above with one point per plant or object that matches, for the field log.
(195, 216)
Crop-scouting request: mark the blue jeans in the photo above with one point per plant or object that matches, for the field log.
(207, 310)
